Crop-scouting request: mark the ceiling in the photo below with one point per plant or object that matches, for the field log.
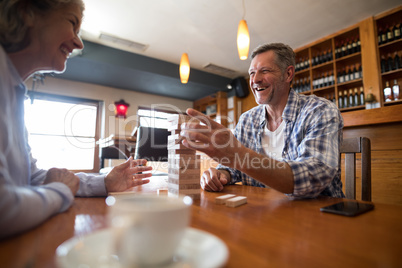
(206, 30)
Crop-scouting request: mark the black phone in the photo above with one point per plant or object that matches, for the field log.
(348, 208)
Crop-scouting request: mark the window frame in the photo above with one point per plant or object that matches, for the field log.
(77, 100)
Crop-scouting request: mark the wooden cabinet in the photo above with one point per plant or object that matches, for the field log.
(389, 51)
(345, 64)
(333, 69)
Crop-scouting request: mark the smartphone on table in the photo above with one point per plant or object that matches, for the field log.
(348, 208)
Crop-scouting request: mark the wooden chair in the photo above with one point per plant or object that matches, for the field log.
(349, 148)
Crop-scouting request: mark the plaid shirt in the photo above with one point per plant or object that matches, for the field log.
(313, 136)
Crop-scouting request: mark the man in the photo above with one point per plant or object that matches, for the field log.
(289, 142)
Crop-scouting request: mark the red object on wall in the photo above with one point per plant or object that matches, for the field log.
(121, 108)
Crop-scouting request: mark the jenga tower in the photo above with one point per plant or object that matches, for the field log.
(183, 163)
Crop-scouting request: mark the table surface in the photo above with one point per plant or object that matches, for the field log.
(271, 230)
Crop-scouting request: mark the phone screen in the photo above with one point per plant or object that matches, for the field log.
(348, 208)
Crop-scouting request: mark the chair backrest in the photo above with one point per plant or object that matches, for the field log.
(349, 148)
(110, 152)
(152, 144)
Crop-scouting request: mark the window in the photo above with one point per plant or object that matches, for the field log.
(63, 131)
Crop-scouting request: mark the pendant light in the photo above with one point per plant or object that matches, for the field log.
(121, 108)
(184, 68)
(243, 37)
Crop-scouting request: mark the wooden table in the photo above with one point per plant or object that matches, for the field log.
(269, 231)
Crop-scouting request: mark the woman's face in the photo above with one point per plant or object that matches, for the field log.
(54, 36)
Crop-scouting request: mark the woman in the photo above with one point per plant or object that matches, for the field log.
(39, 35)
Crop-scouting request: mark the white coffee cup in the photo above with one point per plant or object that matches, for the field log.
(148, 228)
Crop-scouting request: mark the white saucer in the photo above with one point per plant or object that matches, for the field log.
(198, 249)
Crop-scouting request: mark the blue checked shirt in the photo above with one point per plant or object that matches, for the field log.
(313, 136)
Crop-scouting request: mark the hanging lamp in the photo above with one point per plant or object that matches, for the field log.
(243, 37)
(184, 68)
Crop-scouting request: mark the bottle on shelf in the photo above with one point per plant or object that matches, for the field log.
(356, 97)
(387, 92)
(350, 47)
(359, 48)
(345, 99)
(397, 31)
(337, 50)
(351, 73)
(351, 99)
(390, 34)
(384, 36)
(384, 64)
(395, 90)
(397, 61)
(344, 49)
(346, 76)
(356, 72)
(362, 99)
(390, 63)
(380, 36)
(331, 78)
(340, 100)
(339, 76)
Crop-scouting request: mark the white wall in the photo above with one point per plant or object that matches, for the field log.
(109, 95)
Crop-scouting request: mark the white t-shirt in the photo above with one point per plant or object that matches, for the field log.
(274, 141)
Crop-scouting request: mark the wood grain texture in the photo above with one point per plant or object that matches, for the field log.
(270, 231)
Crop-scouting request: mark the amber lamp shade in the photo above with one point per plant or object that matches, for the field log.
(121, 108)
(243, 40)
(184, 68)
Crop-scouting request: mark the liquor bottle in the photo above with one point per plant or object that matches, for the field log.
(306, 63)
(330, 56)
(395, 90)
(387, 92)
(390, 63)
(384, 64)
(362, 99)
(337, 50)
(317, 59)
(344, 49)
(390, 34)
(397, 31)
(350, 47)
(346, 76)
(384, 36)
(351, 98)
(356, 97)
(360, 71)
(346, 103)
(397, 61)
(325, 80)
(356, 73)
(351, 74)
(301, 64)
(379, 36)
(343, 75)
(359, 47)
(354, 45)
(333, 98)
(340, 100)
(331, 78)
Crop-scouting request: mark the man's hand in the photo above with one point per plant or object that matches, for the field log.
(213, 180)
(64, 176)
(125, 176)
(211, 138)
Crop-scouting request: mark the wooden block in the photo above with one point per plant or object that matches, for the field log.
(236, 201)
(163, 191)
(220, 200)
(178, 146)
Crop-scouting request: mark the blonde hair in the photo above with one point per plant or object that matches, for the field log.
(13, 29)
